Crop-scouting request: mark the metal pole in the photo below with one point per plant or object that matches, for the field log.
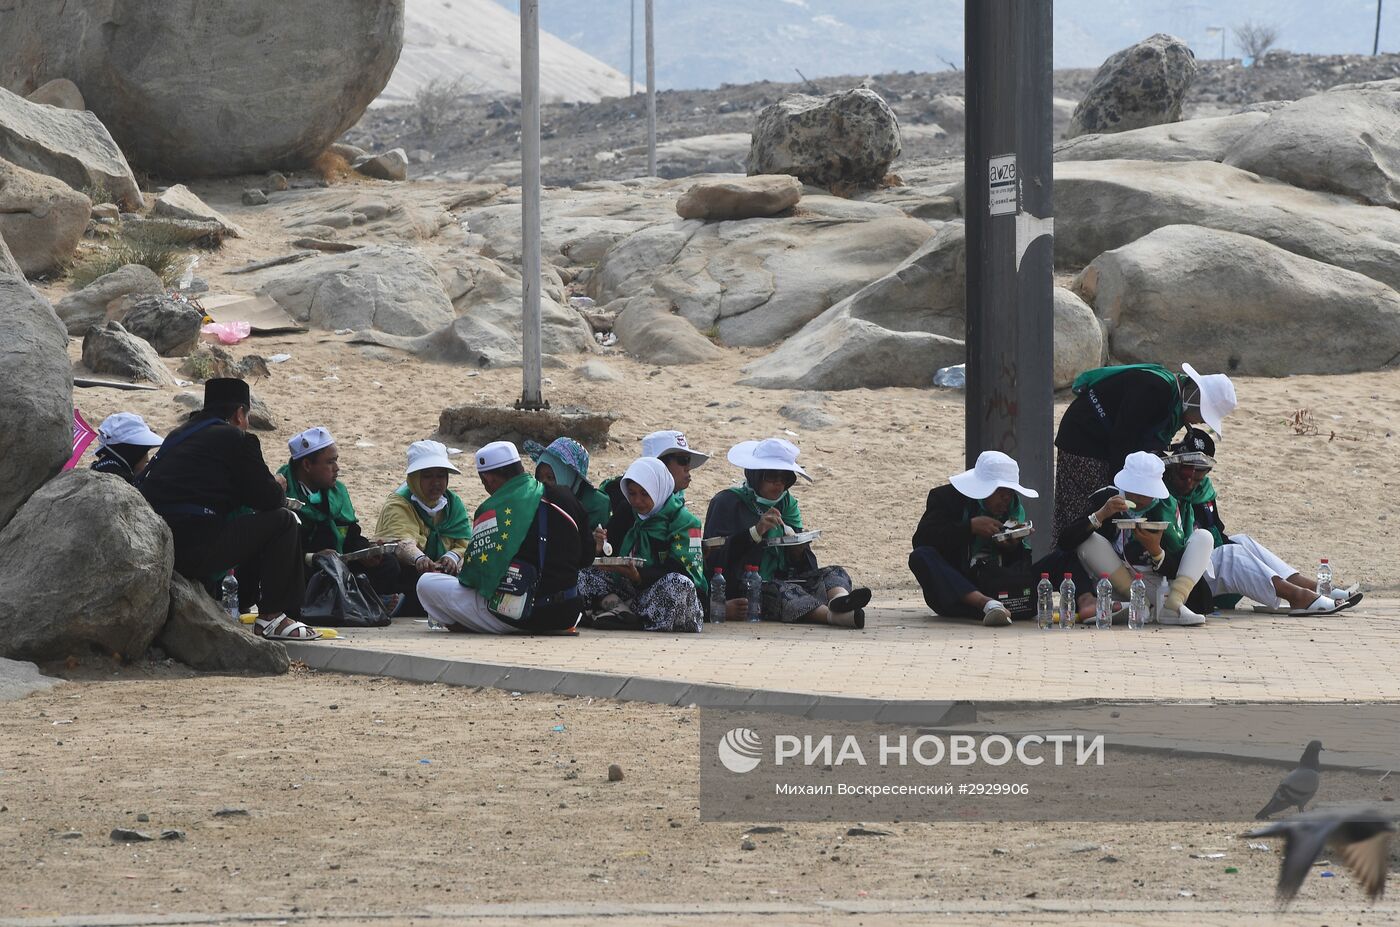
(1010, 243)
(632, 48)
(651, 94)
(1376, 45)
(530, 395)
(1222, 44)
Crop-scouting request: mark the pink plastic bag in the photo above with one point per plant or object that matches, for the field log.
(83, 435)
(228, 332)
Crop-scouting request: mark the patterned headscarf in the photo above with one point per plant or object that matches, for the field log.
(566, 457)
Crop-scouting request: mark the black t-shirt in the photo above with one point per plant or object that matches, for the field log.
(568, 549)
(1123, 413)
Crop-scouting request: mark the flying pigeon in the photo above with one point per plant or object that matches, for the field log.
(1361, 836)
(1298, 787)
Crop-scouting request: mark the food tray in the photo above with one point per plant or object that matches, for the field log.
(1155, 525)
(296, 505)
(1128, 524)
(1014, 532)
(619, 561)
(793, 540)
(378, 550)
(710, 543)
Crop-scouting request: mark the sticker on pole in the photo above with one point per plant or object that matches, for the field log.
(1002, 186)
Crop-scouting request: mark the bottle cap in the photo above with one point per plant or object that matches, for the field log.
(1069, 576)
(1324, 559)
(1103, 576)
(1044, 575)
(1137, 576)
(751, 568)
(719, 571)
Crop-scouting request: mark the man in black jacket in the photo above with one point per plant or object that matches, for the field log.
(205, 473)
(958, 559)
(505, 535)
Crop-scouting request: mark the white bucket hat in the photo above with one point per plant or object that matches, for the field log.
(309, 442)
(768, 454)
(1217, 396)
(663, 442)
(427, 455)
(1142, 474)
(126, 428)
(496, 455)
(994, 470)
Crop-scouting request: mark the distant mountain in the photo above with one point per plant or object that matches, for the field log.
(703, 43)
(478, 42)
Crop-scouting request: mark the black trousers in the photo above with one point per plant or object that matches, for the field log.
(944, 586)
(264, 551)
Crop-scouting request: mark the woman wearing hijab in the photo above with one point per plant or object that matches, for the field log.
(565, 463)
(665, 592)
(795, 588)
(428, 520)
(124, 441)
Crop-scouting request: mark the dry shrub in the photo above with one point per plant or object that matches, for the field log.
(162, 252)
(332, 168)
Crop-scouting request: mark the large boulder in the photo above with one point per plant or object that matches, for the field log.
(1192, 140)
(179, 202)
(70, 145)
(1231, 302)
(59, 92)
(199, 634)
(41, 219)
(109, 348)
(1079, 344)
(9, 267)
(271, 84)
(648, 330)
(1102, 205)
(740, 198)
(1344, 141)
(84, 568)
(167, 324)
(101, 299)
(389, 289)
(842, 139)
(1142, 85)
(36, 405)
(576, 226)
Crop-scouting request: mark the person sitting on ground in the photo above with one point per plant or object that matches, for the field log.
(672, 449)
(1119, 410)
(1239, 565)
(328, 520)
(959, 563)
(427, 520)
(123, 442)
(565, 463)
(1177, 554)
(795, 588)
(506, 547)
(665, 593)
(206, 471)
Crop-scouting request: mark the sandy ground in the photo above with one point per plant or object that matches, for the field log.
(373, 795)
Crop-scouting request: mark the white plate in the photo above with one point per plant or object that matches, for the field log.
(1011, 534)
(794, 540)
(378, 550)
(1127, 524)
(296, 505)
(1155, 525)
(619, 561)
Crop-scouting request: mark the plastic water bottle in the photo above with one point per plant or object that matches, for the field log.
(753, 591)
(1045, 603)
(1324, 578)
(1103, 608)
(1069, 602)
(228, 596)
(717, 596)
(1137, 604)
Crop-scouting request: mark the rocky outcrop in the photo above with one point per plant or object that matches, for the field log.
(1234, 303)
(9, 267)
(1191, 140)
(70, 145)
(273, 83)
(41, 219)
(179, 202)
(844, 139)
(59, 92)
(168, 325)
(740, 198)
(1079, 342)
(200, 635)
(391, 165)
(648, 330)
(37, 402)
(1142, 85)
(101, 299)
(110, 348)
(84, 569)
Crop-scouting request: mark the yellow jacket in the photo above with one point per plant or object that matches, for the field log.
(400, 521)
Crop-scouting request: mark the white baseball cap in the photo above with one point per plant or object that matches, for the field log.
(1217, 396)
(993, 471)
(309, 442)
(1142, 474)
(659, 443)
(427, 455)
(496, 455)
(768, 454)
(126, 428)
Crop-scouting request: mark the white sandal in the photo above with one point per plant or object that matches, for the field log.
(283, 628)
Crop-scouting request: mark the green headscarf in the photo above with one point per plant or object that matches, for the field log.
(341, 512)
(1203, 493)
(451, 522)
(774, 560)
(671, 531)
(1179, 523)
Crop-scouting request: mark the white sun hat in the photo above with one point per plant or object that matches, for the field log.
(496, 455)
(1142, 474)
(1217, 396)
(768, 454)
(427, 455)
(664, 442)
(309, 442)
(994, 470)
(126, 428)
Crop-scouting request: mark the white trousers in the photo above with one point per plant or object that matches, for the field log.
(1246, 567)
(447, 600)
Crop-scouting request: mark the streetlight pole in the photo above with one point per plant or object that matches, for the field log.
(632, 48)
(1376, 45)
(651, 93)
(531, 396)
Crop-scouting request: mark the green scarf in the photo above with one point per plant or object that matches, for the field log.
(981, 545)
(774, 561)
(342, 513)
(451, 522)
(498, 529)
(672, 532)
(596, 505)
(1179, 524)
(1090, 378)
(1203, 493)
